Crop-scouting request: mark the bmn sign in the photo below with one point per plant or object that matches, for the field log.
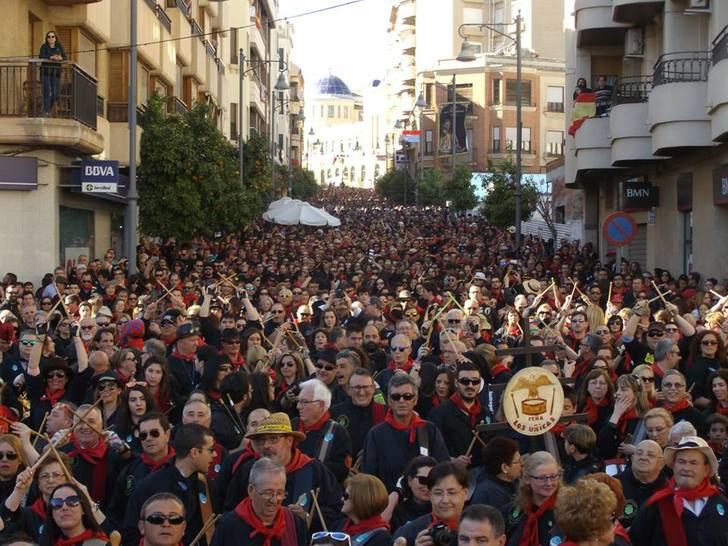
(639, 196)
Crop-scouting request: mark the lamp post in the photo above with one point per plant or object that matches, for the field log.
(420, 105)
(241, 95)
(467, 53)
(281, 85)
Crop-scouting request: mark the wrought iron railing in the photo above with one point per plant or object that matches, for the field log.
(163, 18)
(175, 105)
(720, 46)
(689, 66)
(631, 89)
(48, 89)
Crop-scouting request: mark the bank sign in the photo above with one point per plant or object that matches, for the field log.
(99, 176)
(639, 196)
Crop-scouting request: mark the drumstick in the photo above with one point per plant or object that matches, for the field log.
(318, 508)
(167, 290)
(659, 293)
(204, 529)
(433, 322)
(66, 472)
(515, 406)
(82, 418)
(557, 302)
(42, 424)
(609, 294)
(472, 445)
(60, 297)
(115, 538)
(10, 423)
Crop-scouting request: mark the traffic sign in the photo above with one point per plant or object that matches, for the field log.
(619, 229)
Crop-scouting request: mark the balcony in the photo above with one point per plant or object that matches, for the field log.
(639, 12)
(594, 24)
(407, 10)
(409, 42)
(628, 126)
(70, 120)
(676, 106)
(593, 149)
(175, 105)
(717, 90)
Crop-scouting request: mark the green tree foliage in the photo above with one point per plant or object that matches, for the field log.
(499, 205)
(303, 184)
(431, 188)
(189, 179)
(396, 185)
(458, 190)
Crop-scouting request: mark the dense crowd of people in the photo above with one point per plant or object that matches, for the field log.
(295, 385)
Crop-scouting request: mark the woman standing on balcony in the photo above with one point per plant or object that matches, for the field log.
(51, 71)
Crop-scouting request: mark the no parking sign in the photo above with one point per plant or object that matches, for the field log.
(619, 229)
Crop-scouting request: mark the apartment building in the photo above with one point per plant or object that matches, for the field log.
(188, 52)
(659, 149)
(477, 98)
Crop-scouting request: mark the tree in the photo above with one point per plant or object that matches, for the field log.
(458, 190)
(430, 190)
(545, 207)
(303, 184)
(396, 185)
(188, 176)
(499, 204)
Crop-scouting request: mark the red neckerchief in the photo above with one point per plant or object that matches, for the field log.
(592, 408)
(620, 531)
(677, 406)
(123, 378)
(214, 394)
(407, 366)
(244, 510)
(415, 422)
(436, 401)
(318, 425)
(451, 523)
(624, 421)
(53, 397)
(379, 412)
(298, 461)
(657, 370)
(187, 358)
(718, 448)
(498, 369)
(371, 524)
(39, 507)
(473, 412)
(582, 368)
(9, 415)
(722, 410)
(96, 457)
(216, 463)
(156, 465)
(559, 428)
(237, 361)
(671, 512)
(80, 539)
(530, 531)
(245, 455)
(163, 405)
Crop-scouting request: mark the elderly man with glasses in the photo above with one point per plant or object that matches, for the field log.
(675, 399)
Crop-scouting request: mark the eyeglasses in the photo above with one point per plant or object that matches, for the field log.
(56, 375)
(158, 519)
(672, 385)
(103, 324)
(465, 381)
(263, 440)
(71, 502)
(106, 387)
(91, 327)
(272, 495)
(399, 349)
(233, 342)
(671, 330)
(340, 537)
(51, 36)
(8, 455)
(709, 342)
(361, 387)
(277, 311)
(327, 367)
(655, 333)
(396, 397)
(50, 476)
(302, 402)
(549, 478)
(46, 303)
(645, 379)
(167, 323)
(154, 433)
(454, 321)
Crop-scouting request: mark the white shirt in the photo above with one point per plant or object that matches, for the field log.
(696, 506)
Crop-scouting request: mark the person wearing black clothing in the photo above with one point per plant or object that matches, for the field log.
(181, 365)
(707, 355)
(51, 50)
(457, 417)
(414, 495)
(630, 406)
(184, 477)
(642, 478)
(496, 485)
(377, 357)
(579, 443)
(226, 421)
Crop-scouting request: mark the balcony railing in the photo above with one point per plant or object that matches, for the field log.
(181, 5)
(175, 105)
(163, 18)
(691, 66)
(210, 49)
(632, 89)
(197, 30)
(720, 46)
(54, 90)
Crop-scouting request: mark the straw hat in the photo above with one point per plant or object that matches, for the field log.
(276, 423)
(532, 286)
(692, 442)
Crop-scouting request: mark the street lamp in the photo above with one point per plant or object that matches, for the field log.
(280, 81)
(420, 105)
(301, 118)
(467, 54)
(281, 85)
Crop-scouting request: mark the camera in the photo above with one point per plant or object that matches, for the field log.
(441, 535)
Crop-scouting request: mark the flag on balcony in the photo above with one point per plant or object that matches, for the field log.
(585, 106)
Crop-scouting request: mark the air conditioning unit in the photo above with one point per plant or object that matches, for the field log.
(634, 42)
(698, 6)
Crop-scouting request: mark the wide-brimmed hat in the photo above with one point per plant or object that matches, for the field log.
(692, 442)
(276, 423)
(532, 286)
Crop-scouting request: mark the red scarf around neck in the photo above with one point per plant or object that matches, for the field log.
(156, 465)
(298, 461)
(407, 366)
(371, 524)
(39, 507)
(245, 511)
(451, 523)
(53, 397)
(677, 406)
(671, 512)
(657, 370)
(415, 422)
(318, 425)
(530, 532)
(592, 408)
(142, 543)
(96, 457)
(721, 409)
(499, 369)
(80, 539)
(473, 412)
(623, 423)
(187, 358)
(379, 412)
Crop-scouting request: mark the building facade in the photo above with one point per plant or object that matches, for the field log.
(188, 52)
(658, 148)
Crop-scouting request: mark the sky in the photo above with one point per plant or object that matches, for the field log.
(348, 41)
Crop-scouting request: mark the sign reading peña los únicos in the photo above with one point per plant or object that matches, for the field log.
(533, 401)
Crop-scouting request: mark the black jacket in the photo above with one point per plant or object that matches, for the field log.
(356, 420)
(636, 493)
(457, 430)
(494, 492)
(573, 470)
(548, 531)
(338, 453)
(232, 530)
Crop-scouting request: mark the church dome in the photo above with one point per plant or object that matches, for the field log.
(332, 85)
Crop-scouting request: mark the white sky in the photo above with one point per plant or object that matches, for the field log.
(348, 41)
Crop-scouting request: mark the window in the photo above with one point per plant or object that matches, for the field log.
(554, 142)
(496, 140)
(332, 111)
(179, 79)
(554, 99)
(86, 53)
(346, 112)
(338, 111)
(363, 173)
(142, 84)
(560, 214)
(429, 135)
(472, 16)
(525, 139)
(429, 94)
(280, 145)
(525, 92)
(233, 121)
(234, 53)
(322, 111)
(497, 91)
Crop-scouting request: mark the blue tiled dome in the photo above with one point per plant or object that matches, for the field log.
(331, 85)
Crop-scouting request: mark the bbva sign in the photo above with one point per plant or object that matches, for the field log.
(100, 171)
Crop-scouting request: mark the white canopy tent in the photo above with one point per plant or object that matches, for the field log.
(290, 212)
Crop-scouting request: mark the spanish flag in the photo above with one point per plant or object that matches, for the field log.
(585, 106)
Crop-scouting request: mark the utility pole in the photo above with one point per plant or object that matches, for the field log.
(131, 215)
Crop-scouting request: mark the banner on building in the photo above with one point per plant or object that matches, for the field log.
(585, 107)
(446, 133)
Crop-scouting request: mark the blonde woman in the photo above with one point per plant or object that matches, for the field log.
(585, 513)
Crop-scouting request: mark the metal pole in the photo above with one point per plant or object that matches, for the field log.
(274, 142)
(422, 158)
(453, 122)
(519, 136)
(241, 63)
(131, 216)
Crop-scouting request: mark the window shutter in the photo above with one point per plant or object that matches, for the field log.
(69, 40)
(119, 76)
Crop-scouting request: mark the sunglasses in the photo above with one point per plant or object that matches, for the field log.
(422, 480)
(397, 397)
(465, 381)
(225, 369)
(28, 342)
(56, 375)
(8, 455)
(454, 321)
(106, 387)
(158, 519)
(399, 349)
(71, 502)
(288, 364)
(708, 342)
(154, 433)
(645, 378)
(655, 334)
(327, 367)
